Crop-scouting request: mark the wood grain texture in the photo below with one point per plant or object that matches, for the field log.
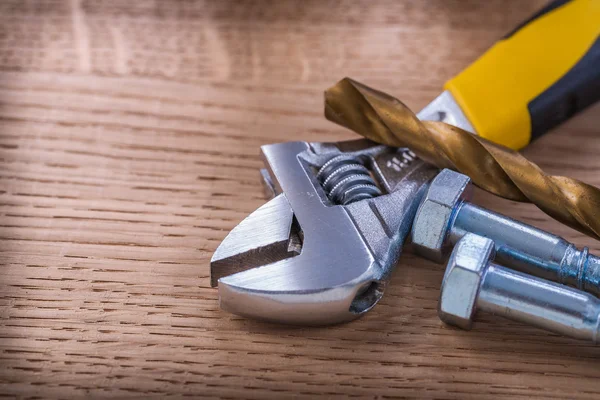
(129, 148)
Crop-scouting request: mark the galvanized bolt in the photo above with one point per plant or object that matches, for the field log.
(473, 283)
(445, 216)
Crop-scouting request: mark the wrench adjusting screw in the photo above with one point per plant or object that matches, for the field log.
(346, 180)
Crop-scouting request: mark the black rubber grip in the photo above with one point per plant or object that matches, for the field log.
(576, 90)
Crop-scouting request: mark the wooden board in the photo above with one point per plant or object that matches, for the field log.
(129, 148)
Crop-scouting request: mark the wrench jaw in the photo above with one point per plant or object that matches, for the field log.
(269, 273)
(300, 259)
(261, 238)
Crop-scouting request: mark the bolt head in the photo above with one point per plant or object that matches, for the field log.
(432, 223)
(462, 280)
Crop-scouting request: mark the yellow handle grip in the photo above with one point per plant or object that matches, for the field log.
(535, 78)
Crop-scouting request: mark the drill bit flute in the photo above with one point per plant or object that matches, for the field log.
(497, 169)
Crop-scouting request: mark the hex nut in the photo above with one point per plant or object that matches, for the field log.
(462, 280)
(432, 222)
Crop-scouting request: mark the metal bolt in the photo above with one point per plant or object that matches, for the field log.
(472, 283)
(518, 245)
(429, 233)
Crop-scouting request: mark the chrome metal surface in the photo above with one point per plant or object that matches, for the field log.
(268, 186)
(397, 167)
(444, 108)
(462, 280)
(324, 263)
(529, 249)
(447, 190)
(247, 247)
(518, 245)
(513, 295)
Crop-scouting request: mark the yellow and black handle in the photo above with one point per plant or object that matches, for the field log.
(536, 77)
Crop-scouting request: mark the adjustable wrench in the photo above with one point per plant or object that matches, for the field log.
(303, 259)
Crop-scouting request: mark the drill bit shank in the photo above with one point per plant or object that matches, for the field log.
(497, 169)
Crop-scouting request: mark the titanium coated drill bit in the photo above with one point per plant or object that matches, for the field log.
(497, 169)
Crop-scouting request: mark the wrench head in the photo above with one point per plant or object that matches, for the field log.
(301, 259)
